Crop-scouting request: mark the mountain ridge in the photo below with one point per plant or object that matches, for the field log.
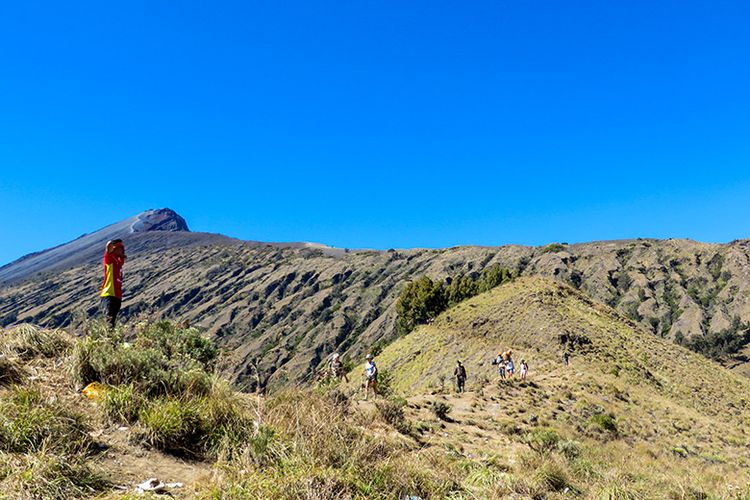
(284, 307)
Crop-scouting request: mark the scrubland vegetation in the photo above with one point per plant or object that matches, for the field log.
(539, 439)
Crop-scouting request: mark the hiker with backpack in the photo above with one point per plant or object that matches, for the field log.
(371, 375)
(111, 292)
(459, 373)
(509, 366)
(336, 368)
(500, 362)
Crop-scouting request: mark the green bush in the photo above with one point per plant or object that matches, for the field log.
(152, 366)
(174, 342)
(569, 449)
(424, 299)
(210, 425)
(542, 441)
(553, 248)
(440, 409)
(262, 447)
(605, 422)
(720, 345)
(385, 383)
(173, 425)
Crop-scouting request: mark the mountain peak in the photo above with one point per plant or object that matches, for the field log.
(160, 219)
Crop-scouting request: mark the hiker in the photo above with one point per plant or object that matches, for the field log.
(524, 369)
(510, 368)
(371, 376)
(459, 372)
(111, 293)
(500, 362)
(336, 368)
(566, 358)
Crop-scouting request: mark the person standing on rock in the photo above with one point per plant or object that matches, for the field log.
(111, 293)
(459, 373)
(371, 376)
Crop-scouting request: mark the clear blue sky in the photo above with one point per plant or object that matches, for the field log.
(377, 123)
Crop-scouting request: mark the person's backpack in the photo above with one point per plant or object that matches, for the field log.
(494, 361)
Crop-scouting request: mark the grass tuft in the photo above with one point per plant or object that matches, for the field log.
(28, 341)
(31, 423)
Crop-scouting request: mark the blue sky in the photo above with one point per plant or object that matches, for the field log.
(377, 124)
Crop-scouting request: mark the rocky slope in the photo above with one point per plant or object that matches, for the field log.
(285, 307)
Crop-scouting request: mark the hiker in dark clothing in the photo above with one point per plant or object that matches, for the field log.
(459, 372)
(566, 358)
(111, 293)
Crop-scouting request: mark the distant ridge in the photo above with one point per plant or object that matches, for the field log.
(80, 249)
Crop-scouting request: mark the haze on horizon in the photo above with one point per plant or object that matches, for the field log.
(377, 125)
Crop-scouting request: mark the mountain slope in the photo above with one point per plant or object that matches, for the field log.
(285, 307)
(654, 408)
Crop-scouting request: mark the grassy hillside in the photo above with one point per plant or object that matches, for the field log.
(285, 309)
(662, 415)
(585, 431)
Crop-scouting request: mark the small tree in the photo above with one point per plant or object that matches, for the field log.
(420, 301)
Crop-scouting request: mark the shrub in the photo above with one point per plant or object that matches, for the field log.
(150, 366)
(720, 345)
(569, 449)
(173, 425)
(424, 299)
(542, 441)
(440, 409)
(174, 342)
(263, 447)
(605, 422)
(385, 383)
(392, 412)
(553, 248)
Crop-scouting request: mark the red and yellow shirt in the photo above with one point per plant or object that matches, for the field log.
(112, 286)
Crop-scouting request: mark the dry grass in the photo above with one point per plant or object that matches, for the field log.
(582, 432)
(29, 341)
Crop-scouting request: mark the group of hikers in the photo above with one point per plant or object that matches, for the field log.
(111, 301)
(506, 368)
(504, 361)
